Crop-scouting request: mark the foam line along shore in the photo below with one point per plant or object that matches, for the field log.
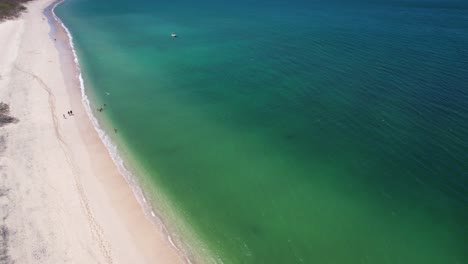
(68, 202)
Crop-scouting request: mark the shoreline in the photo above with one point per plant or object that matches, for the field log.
(57, 24)
(72, 177)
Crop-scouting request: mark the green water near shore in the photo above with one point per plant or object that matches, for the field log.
(318, 132)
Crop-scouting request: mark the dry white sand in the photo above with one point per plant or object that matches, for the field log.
(62, 199)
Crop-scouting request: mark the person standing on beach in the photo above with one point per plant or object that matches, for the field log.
(64, 117)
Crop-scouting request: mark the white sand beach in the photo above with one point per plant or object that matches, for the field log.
(62, 199)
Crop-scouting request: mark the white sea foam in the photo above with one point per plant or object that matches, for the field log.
(110, 146)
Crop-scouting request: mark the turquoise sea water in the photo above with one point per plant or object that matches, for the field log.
(291, 131)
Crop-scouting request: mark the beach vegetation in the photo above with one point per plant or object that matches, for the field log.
(5, 117)
(11, 8)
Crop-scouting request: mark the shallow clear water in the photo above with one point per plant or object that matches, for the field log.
(292, 132)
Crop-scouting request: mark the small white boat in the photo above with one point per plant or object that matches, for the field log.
(174, 35)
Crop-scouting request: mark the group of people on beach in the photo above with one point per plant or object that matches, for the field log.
(70, 113)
